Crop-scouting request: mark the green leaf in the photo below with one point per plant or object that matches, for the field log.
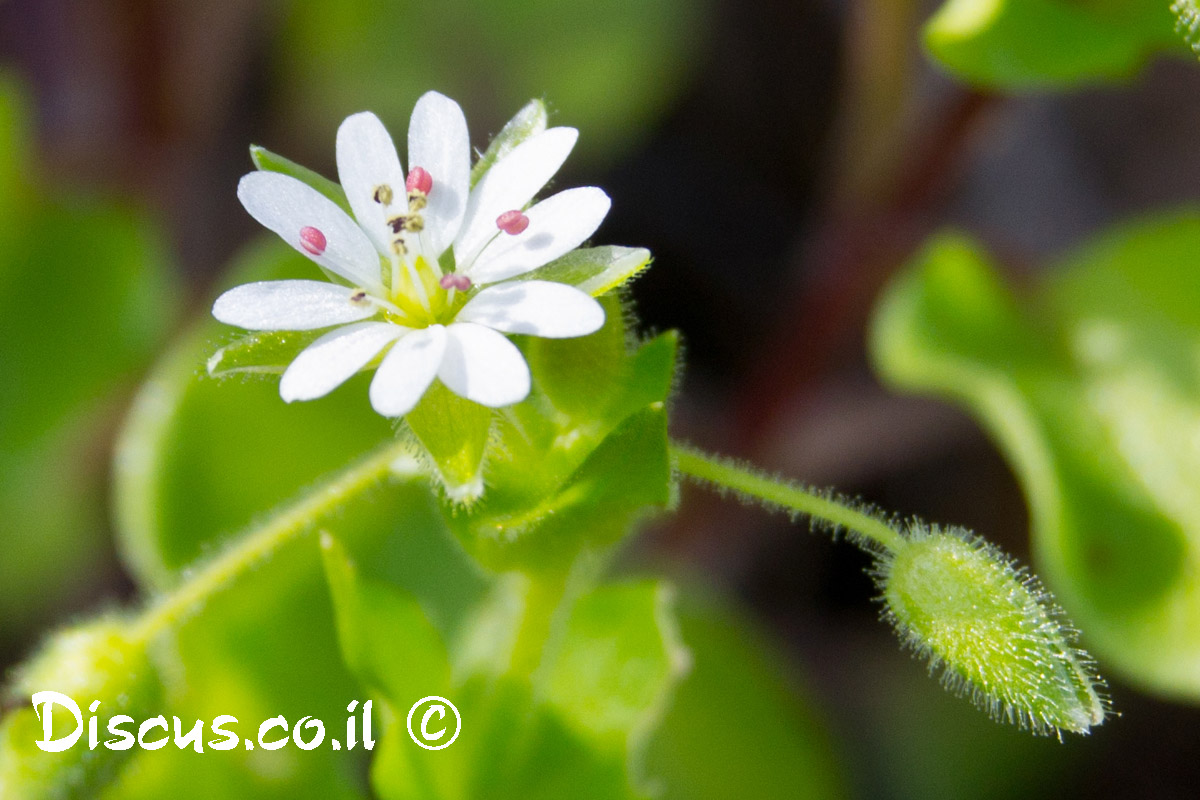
(620, 656)
(264, 159)
(576, 727)
(386, 639)
(595, 270)
(1048, 44)
(1090, 386)
(528, 122)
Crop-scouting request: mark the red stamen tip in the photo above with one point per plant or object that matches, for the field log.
(312, 240)
(419, 180)
(512, 222)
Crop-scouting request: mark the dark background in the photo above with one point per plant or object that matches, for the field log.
(794, 156)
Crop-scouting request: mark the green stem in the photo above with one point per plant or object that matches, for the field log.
(542, 600)
(263, 541)
(722, 473)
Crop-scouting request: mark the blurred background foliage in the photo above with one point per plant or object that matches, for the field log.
(784, 161)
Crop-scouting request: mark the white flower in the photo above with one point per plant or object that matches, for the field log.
(414, 259)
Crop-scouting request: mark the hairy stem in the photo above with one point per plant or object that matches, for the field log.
(723, 473)
(259, 543)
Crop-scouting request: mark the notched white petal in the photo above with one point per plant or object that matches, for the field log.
(511, 184)
(539, 308)
(289, 306)
(557, 225)
(366, 160)
(407, 370)
(481, 365)
(331, 360)
(439, 144)
(288, 207)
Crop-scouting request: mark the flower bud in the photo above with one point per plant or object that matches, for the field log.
(96, 661)
(992, 631)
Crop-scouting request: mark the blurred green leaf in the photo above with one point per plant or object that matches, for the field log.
(200, 458)
(1047, 44)
(15, 189)
(1092, 387)
(608, 66)
(620, 655)
(735, 726)
(84, 298)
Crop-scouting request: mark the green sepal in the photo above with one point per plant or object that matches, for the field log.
(627, 474)
(259, 353)
(528, 122)
(265, 160)
(579, 376)
(454, 432)
(595, 270)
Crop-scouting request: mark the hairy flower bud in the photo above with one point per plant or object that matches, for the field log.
(96, 661)
(992, 630)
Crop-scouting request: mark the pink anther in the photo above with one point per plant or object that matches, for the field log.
(455, 280)
(312, 240)
(512, 222)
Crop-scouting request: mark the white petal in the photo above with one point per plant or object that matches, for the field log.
(366, 160)
(557, 225)
(511, 184)
(481, 365)
(286, 205)
(331, 360)
(289, 306)
(438, 142)
(540, 308)
(407, 371)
